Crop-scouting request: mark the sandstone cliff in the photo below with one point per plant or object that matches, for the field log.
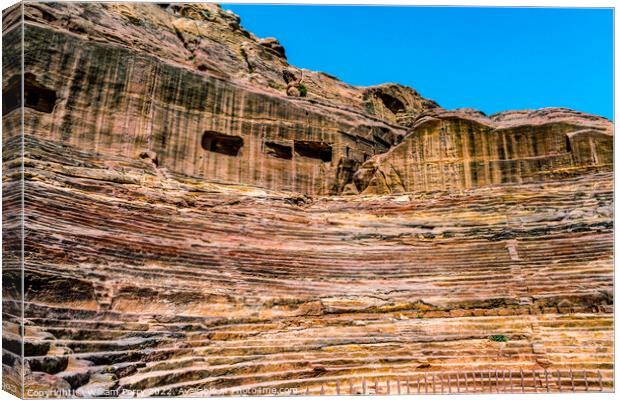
(465, 149)
(188, 85)
(200, 217)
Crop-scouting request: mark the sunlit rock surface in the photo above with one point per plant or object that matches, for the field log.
(194, 225)
(461, 149)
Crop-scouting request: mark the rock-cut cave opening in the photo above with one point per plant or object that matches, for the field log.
(391, 103)
(279, 150)
(36, 96)
(221, 143)
(317, 150)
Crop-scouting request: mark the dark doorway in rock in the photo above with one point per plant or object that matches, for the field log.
(221, 143)
(279, 150)
(568, 147)
(318, 150)
(36, 96)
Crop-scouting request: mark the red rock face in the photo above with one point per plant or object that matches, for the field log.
(144, 90)
(180, 219)
(463, 149)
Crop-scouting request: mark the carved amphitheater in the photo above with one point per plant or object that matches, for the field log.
(202, 218)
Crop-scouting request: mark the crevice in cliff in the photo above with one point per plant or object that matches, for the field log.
(279, 150)
(220, 143)
(179, 35)
(382, 142)
(317, 150)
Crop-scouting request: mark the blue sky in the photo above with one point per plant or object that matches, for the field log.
(491, 59)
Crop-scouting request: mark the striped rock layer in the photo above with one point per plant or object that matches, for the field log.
(180, 220)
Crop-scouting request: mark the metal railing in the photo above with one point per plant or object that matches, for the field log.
(473, 381)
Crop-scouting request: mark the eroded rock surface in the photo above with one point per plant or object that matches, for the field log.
(192, 226)
(460, 149)
(189, 84)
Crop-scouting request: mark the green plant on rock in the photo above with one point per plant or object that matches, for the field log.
(498, 338)
(303, 90)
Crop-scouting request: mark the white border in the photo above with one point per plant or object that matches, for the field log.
(480, 3)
